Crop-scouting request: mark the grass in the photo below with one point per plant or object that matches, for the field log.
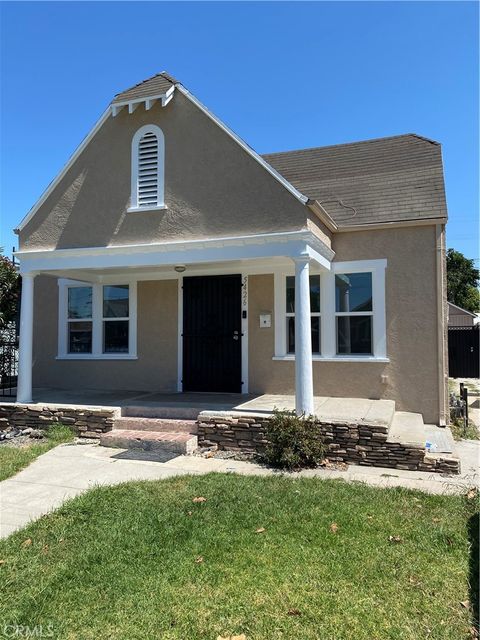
(14, 459)
(460, 433)
(472, 432)
(269, 557)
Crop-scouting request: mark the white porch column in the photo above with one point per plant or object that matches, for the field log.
(303, 339)
(25, 352)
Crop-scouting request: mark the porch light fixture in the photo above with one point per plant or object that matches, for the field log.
(180, 268)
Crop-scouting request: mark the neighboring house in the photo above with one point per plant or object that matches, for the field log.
(168, 255)
(458, 317)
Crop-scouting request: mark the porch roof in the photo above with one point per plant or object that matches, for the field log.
(94, 262)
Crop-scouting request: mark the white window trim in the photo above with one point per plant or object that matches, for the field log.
(328, 313)
(97, 322)
(291, 314)
(134, 208)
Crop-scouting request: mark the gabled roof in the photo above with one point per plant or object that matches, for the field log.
(156, 85)
(464, 311)
(376, 181)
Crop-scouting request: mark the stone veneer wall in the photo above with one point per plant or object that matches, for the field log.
(350, 443)
(88, 422)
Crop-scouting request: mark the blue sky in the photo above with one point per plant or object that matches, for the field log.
(282, 75)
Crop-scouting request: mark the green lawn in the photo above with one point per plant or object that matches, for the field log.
(259, 557)
(13, 459)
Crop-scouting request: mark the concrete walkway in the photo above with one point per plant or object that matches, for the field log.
(70, 469)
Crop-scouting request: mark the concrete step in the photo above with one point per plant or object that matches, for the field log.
(168, 412)
(381, 412)
(440, 438)
(407, 428)
(156, 424)
(153, 441)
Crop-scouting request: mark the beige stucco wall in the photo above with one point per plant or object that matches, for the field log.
(414, 373)
(213, 188)
(412, 328)
(156, 366)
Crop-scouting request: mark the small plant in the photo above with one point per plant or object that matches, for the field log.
(294, 442)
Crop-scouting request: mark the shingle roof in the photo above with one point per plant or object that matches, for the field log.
(154, 86)
(383, 180)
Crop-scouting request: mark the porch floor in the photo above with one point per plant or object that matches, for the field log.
(134, 402)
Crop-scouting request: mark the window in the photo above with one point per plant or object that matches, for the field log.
(97, 321)
(79, 320)
(354, 312)
(314, 313)
(147, 169)
(115, 319)
(347, 306)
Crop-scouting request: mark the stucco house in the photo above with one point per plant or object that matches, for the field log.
(169, 256)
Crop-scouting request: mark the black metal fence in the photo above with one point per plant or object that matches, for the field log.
(8, 361)
(463, 353)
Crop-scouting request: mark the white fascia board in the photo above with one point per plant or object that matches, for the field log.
(398, 224)
(321, 260)
(303, 199)
(283, 244)
(66, 167)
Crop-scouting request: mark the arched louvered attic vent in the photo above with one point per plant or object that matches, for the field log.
(147, 169)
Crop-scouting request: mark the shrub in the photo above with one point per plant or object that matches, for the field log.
(294, 442)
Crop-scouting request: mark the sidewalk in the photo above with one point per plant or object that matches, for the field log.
(70, 469)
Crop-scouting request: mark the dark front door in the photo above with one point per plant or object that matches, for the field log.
(212, 352)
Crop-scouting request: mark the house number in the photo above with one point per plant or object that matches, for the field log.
(244, 291)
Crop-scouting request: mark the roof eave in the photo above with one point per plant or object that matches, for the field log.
(320, 212)
(412, 222)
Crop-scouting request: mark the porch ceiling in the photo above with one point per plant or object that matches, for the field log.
(168, 272)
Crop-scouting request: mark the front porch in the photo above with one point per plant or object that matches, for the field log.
(357, 430)
(190, 405)
(100, 320)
